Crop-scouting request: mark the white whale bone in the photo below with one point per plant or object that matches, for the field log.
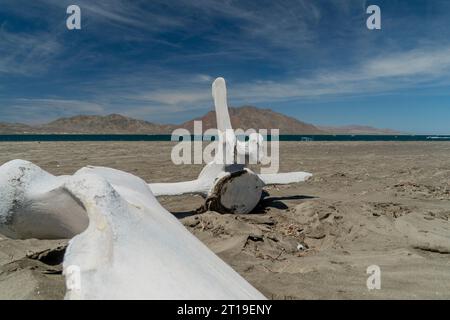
(230, 146)
(219, 93)
(34, 203)
(202, 185)
(253, 148)
(179, 188)
(227, 145)
(132, 248)
(238, 192)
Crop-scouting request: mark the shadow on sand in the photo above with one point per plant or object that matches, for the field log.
(265, 204)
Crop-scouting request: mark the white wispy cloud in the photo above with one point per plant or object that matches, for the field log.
(175, 97)
(384, 74)
(174, 103)
(119, 13)
(26, 53)
(428, 62)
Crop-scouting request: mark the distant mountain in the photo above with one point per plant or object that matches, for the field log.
(111, 124)
(357, 129)
(251, 117)
(15, 128)
(243, 118)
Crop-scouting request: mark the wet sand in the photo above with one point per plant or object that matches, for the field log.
(369, 203)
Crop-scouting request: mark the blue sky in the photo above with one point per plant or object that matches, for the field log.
(155, 60)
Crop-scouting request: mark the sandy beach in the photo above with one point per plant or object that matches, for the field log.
(368, 203)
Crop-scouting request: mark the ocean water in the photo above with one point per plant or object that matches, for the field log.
(166, 137)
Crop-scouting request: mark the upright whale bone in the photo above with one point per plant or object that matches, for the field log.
(229, 187)
(124, 244)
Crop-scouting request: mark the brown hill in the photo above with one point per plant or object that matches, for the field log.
(15, 128)
(243, 118)
(251, 117)
(110, 124)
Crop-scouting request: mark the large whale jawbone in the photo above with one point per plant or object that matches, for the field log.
(143, 247)
(129, 247)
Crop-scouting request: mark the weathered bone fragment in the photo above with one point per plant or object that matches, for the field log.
(216, 180)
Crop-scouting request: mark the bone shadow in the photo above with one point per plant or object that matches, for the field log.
(184, 214)
(266, 202)
(276, 202)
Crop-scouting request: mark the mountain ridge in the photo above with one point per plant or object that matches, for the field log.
(248, 117)
(245, 117)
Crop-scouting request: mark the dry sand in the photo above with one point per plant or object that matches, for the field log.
(377, 203)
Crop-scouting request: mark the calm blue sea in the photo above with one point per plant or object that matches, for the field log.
(120, 137)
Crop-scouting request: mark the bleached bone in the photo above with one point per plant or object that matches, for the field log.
(229, 148)
(284, 178)
(219, 93)
(35, 204)
(125, 244)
